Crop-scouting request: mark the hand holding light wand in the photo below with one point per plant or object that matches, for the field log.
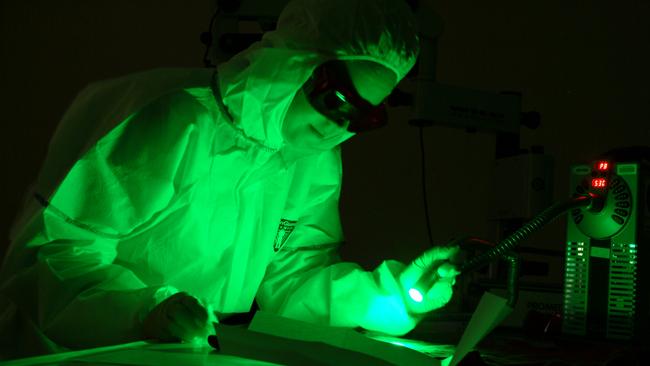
(503, 250)
(428, 279)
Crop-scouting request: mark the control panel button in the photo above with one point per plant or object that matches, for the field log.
(621, 212)
(623, 204)
(619, 220)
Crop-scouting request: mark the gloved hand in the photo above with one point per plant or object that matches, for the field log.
(180, 317)
(440, 293)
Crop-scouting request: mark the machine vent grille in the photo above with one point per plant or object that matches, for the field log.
(622, 291)
(576, 288)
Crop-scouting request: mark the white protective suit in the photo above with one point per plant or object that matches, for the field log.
(150, 188)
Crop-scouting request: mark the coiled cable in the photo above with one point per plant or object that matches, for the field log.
(522, 233)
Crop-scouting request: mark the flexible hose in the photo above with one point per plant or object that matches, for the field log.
(522, 233)
(512, 282)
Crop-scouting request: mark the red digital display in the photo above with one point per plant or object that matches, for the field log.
(599, 183)
(602, 166)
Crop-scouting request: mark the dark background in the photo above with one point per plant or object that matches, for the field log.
(582, 64)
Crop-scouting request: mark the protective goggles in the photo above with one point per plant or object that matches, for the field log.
(331, 92)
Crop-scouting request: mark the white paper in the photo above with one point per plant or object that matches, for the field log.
(491, 311)
(343, 338)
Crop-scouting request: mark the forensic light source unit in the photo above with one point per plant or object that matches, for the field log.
(605, 283)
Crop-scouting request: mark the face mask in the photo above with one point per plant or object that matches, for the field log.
(331, 92)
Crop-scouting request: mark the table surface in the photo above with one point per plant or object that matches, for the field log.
(142, 353)
(502, 347)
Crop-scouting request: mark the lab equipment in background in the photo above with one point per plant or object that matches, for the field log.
(453, 106)
(606, 293)
(606, 286)
(474, 110)
(235, 25)
(523, 185)
(540, 290)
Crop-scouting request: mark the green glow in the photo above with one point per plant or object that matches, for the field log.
(416, 295)
(435, 350)
(341, 96)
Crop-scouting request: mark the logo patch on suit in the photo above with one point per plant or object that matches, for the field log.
(284, 230)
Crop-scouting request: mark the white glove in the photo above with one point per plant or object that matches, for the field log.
(180, 317)
(422, 300)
